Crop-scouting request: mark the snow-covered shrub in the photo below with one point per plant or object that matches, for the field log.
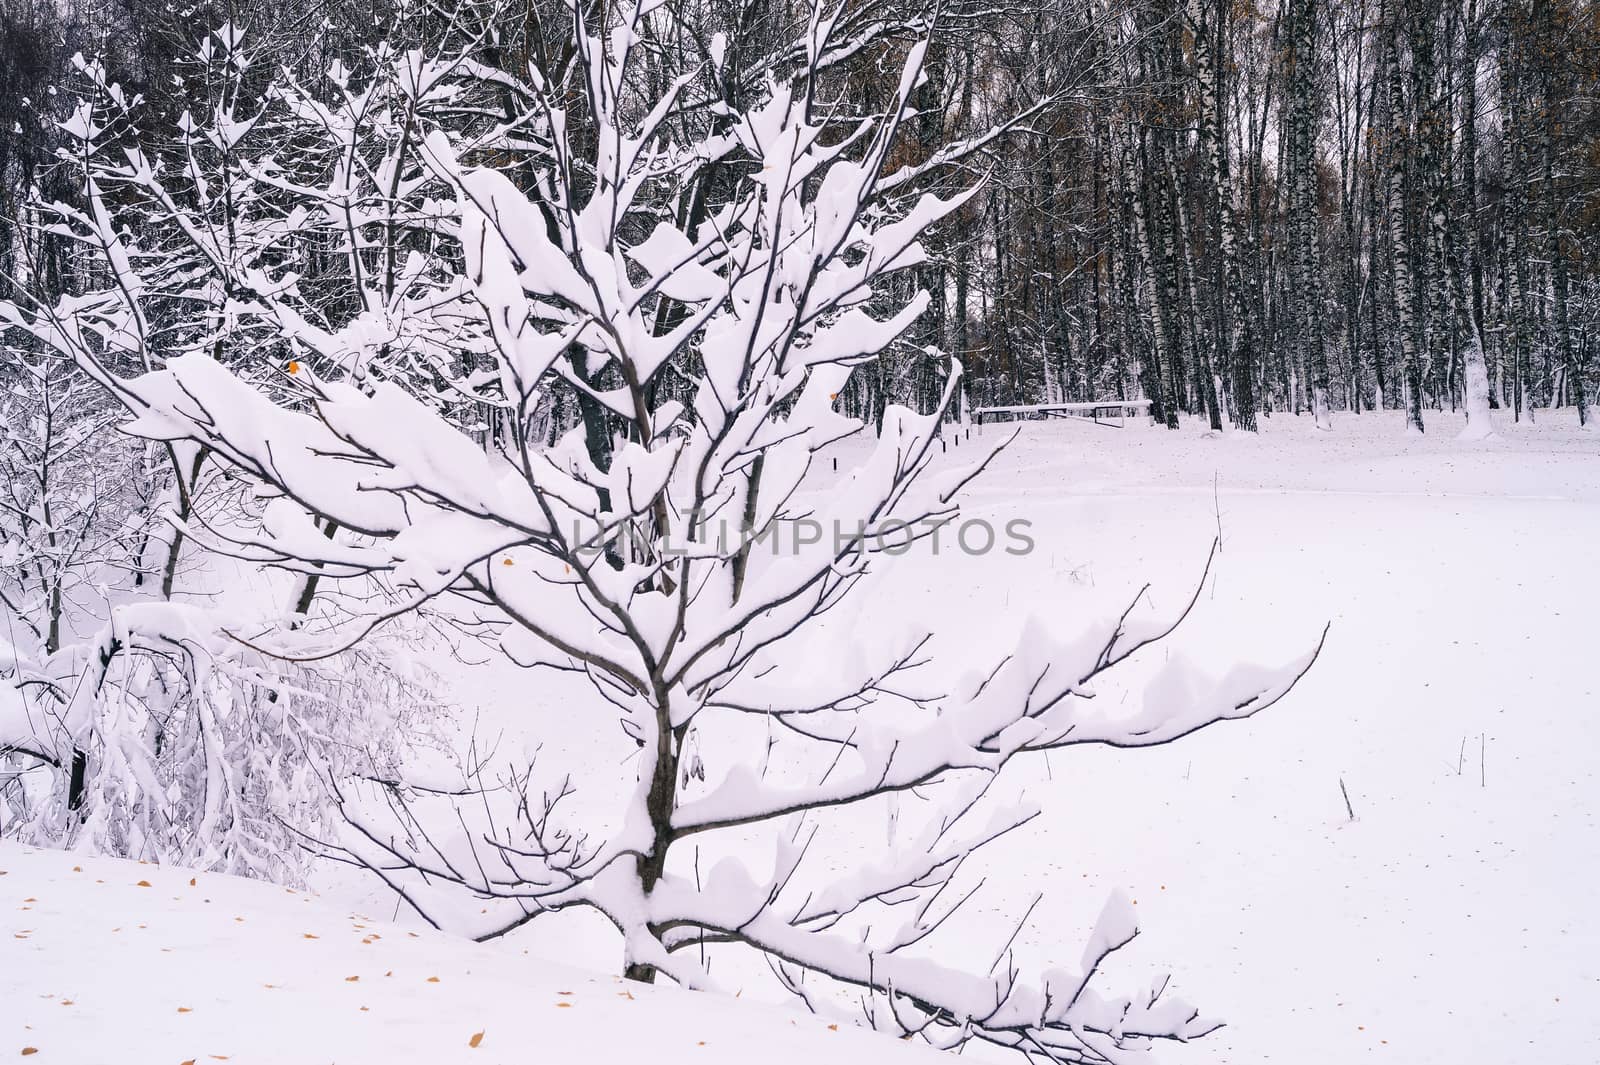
(135, 718)
(623, 236)
(135, 726)
(70, 495)
(156, 739)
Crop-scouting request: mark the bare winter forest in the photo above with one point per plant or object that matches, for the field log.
(493, 481)
(1228, 208)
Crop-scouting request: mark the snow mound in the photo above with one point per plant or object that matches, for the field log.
(110, 960)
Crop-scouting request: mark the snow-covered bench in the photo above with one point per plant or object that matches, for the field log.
(1095, 409)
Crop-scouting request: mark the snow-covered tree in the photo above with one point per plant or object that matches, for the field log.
(688, 558)
(66, 485)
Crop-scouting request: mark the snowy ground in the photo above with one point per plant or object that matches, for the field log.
(118, 962)
(1451, 921)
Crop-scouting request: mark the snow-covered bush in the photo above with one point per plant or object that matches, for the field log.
(69, 495)
(135, 726)
(156, 739)
(622, 236)
(135, 718)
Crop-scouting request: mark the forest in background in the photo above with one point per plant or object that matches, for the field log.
(1230, 209)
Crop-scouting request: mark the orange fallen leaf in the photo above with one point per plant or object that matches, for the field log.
(191, 881)
(833, 1027)
(66, 1002)
(30, 900)
(294, 367)
(29, 1050)
(563, 992)
(143, 883)
(365, 1010)
(189, 1062)
(217, 1057)
(563, 1005)
(77, 868)
(351, 979)
(185, 1009)
(433, 979)
(475, 1040)
(308, 935)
